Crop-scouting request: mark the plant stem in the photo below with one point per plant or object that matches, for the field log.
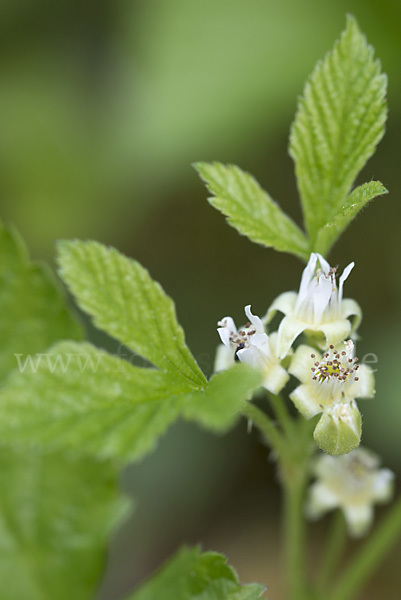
(266, 426)
(332, 554)
(282, 414)
(369, 557)
(294, 534)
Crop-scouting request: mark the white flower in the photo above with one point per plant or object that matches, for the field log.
(251, 345)
(352, 482)
(318, 307)
(329, 385)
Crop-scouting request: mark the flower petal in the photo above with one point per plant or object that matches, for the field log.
(302, 362)
(224, 358)
(324, 265)
(359, 518)
(307, 404)
(365, 386)
(285, 303)
(343, 277)
(335, 331)
(383, 486)
(276, 378)
(350, 308)
(320, 500)
(321, 297)
(254, 319)
(288, 331)
(307, 276)
(226, 329)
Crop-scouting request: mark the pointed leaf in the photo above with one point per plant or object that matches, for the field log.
(56, 514)
(191, 575)
(33, 312)
(357, 200)
(125, 302)
(250, 209)
(218, 405)
(339, 122)
(76, 396)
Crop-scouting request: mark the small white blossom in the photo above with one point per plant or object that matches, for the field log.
(251, 345)
(329, 385)
(352, 482)
(319, 306)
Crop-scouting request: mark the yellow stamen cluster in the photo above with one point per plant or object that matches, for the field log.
(335, 364)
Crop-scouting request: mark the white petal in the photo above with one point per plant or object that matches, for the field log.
(302, 362)
(276, 378)
(335, 331)
(226, 330)
(365, 386)
(343, 277)
(285, 303)
(359, 519)
(321, 297)
(323, 263)
(383, 487)
(307, 276)
(255, 320)
(289, 330)
(350, 308)
(224, 358)
(306, 402)
(320, 500)
(252, 357)
(262, 343)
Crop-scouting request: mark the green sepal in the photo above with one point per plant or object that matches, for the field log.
(339, 429)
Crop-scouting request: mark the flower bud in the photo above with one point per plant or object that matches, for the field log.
(339, 429)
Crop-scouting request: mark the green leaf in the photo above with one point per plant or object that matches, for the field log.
(125, 302)
(218, 405)
(56, 514)
(357, 200)
(191, 575)
(33, 314)
(76, 396)
(250, 209)
(339, 122)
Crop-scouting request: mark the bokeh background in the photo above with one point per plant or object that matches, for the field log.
(103, 107)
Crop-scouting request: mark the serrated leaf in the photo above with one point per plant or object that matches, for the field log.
(218, 405)
(192, 575)
(76, 396)
(33, 314)
(339, 122)
(356, 201)
(56, 514)
(125, 302)
(250, 210)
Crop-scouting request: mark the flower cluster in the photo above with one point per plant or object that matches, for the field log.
(327, 369)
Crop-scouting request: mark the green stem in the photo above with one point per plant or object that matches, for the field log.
(333, 552)
(266, 426)
(370, 556)
(294, 536)
(282, 414)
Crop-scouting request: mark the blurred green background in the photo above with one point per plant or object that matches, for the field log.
(104, 106)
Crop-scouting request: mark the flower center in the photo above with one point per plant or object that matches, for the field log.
(241, 339)
(336, 365)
